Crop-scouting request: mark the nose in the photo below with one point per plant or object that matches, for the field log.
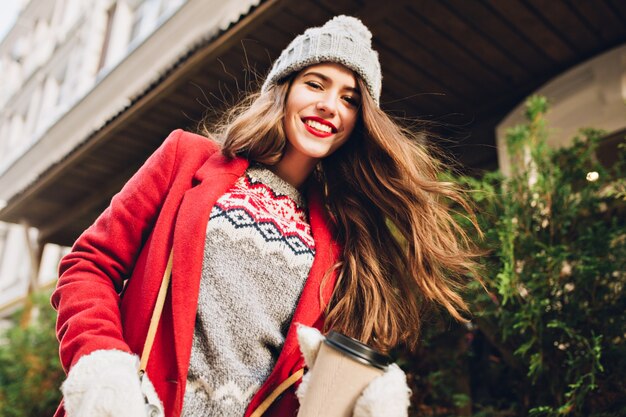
(327, 105)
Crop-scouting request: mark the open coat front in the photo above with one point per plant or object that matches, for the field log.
(167, 204)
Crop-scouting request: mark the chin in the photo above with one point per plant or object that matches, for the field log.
(317, 153)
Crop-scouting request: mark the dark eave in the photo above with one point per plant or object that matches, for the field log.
(461, 65)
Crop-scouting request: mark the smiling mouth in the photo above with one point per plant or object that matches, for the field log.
(318, 128)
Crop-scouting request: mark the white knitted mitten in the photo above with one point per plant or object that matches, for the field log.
(386, 396)
(105, 384)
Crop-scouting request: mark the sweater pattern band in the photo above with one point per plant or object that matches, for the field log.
(276, 218)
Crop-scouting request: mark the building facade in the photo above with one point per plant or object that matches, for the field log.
(55, 55)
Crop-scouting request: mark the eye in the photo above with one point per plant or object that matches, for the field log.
(352, 101)
(314, 84)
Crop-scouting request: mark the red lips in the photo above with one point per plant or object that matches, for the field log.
(316, 132)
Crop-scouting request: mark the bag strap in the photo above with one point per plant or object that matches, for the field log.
(262, 408)
(156, 315)
(154, 324)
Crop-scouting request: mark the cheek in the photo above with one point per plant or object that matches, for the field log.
(294, 100)
(349, 126)
(289, 114)
(350, 122)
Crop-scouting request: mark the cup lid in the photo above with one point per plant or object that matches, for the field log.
(357, 350)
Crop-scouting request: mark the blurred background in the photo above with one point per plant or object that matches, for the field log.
(90, 88)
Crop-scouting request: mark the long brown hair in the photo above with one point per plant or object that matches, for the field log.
(402, 249)
(254, 128)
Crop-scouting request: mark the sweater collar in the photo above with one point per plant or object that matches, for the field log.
(261, 173)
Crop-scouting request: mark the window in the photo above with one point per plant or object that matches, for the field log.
(138, 17)
(4, 144)
(48, 102)
(107, 36)
(168, 6)
(17, 128)
(145, 17)
(61, 85)
(3, 238)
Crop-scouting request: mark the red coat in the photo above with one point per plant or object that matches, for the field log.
(169, 201)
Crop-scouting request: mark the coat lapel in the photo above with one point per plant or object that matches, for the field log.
(314, 298)
(214, 178)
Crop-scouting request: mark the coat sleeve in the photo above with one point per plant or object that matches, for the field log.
(91, 276)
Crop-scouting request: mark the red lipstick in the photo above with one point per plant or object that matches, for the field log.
(316, 132)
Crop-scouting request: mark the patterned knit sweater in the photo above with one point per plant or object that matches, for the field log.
(258, 253)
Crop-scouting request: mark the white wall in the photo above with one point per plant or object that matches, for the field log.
(592, 94)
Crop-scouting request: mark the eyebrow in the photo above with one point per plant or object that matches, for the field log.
(326, 78)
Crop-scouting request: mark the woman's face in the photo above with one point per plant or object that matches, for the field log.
(321, 111)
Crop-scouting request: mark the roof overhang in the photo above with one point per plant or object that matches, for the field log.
(462, 66)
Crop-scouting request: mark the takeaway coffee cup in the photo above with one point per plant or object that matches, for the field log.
(343, 368)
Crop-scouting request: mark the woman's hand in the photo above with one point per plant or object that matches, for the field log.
(386, 396)
(105, 383)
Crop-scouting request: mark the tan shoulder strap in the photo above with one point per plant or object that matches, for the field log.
(262, 408)
(156, 314)
(154, 324)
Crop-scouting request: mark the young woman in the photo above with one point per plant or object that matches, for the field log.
(315, 208)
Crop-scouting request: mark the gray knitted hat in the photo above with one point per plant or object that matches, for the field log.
(344, 40)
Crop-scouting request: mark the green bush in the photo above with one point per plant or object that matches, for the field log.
(30, 370)
(548, 335)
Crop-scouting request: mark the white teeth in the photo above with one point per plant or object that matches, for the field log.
(318, 126)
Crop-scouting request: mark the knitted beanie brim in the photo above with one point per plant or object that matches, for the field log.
(344, 40)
